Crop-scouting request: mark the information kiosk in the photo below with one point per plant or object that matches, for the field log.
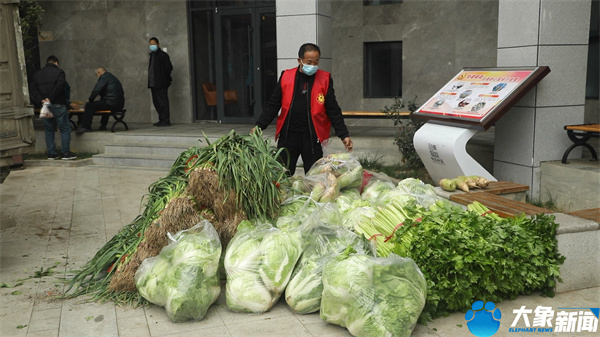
(473, 100)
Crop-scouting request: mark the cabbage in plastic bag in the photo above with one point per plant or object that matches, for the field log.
(184, 276)
(373, 297)
(323, 242)
(259, 262)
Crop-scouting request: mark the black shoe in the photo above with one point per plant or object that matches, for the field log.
(156, 124)
(81, 131)
(53, 156)
(162, 124)
(69, 156)
(102, 128)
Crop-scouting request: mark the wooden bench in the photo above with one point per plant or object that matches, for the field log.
(491, 197)
(371, 114)
(590, 214)
(117, 116)
(579, 135)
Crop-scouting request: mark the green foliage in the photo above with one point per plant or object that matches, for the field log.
(405, 130)
(31, 14)
(466, 256)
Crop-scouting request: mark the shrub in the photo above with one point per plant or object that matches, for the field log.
(405, 130)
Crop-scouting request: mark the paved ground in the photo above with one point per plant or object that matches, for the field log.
(60, 216)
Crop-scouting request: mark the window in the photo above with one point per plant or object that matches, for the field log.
(592, 87)
(380, 2)
(383, 69)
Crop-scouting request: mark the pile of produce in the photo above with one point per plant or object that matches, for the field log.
(370, 253)
(463, 183)
(236, 177)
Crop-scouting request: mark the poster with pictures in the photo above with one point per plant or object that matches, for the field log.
(474, 95)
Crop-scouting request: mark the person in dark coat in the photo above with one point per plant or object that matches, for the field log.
(48, 87)
(159, 80)
(112, 98)
(305, 106)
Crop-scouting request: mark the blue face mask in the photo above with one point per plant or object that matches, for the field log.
(309, 69)
(153, 47)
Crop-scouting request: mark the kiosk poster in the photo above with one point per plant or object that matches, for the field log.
(477, 97)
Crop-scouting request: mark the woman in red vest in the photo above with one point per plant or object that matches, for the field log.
(308, 106)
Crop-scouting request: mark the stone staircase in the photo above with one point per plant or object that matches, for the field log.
(159, 150)
(146, 150)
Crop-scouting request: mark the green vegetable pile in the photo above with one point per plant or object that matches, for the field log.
(372, 254)
(246, 167)
(475, 254)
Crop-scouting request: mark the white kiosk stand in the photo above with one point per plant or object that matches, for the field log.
(443, 151)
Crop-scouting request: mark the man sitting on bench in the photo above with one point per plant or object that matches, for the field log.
(112, 98)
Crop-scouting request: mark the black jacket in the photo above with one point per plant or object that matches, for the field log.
(159, 70)
(48, 82)
(109, 88)
(296, 113)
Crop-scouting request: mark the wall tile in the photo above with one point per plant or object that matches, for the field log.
(565, 84)
(565, 22)
(518, 23)
(293, 7)
(551, 139)
(513, 141)
(288, 39)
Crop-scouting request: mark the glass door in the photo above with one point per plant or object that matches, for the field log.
(246, 62)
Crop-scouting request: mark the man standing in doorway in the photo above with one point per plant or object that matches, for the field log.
(159, 80)
(309, 109)
(48, 87)
(112, 98)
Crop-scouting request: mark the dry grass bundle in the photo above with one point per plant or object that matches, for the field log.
(179, 214)
(203, 184)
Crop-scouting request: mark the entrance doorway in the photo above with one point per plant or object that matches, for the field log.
(234, 60)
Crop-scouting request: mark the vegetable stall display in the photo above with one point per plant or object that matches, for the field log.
(414, 254)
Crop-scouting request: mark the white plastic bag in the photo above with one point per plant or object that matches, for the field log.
(45, 112)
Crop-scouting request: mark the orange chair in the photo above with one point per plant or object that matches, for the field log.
(210, 95)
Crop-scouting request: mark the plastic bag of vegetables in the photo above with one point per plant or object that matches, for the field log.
(183, 278)
(294, 211)
(371, 296)
(322, 243)
(346, 169)
(259, 261)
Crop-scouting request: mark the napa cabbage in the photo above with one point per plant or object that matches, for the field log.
(373, 296)
(322, 243)
(259, 262)
(184, 277)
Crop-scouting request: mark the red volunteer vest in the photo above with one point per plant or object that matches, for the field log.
(321, 122)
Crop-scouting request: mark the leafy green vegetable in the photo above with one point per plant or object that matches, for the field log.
(373, 296)
(473, 255)
(259, 262)
(323, 242)
(184, 276)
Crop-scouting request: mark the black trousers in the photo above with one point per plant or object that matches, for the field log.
(160, 99)
(296, 145)
(91, 107)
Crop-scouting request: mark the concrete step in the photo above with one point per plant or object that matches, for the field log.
(161, 150)
(132, 160)
(185, 140)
